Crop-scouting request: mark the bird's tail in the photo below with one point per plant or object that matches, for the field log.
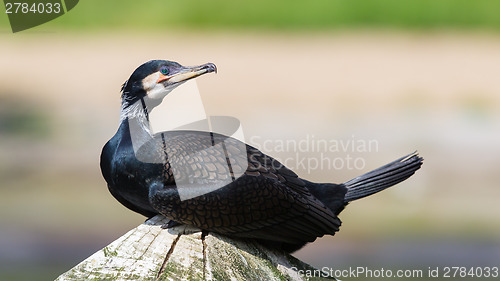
(383, 177)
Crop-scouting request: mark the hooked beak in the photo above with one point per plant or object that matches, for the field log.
(187, 73)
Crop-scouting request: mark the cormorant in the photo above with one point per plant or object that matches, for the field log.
(267, 201)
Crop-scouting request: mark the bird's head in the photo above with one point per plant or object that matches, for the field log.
(153, 80)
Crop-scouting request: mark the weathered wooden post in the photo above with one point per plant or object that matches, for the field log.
(149, 252)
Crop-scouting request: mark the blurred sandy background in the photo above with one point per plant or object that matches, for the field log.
(432, 90)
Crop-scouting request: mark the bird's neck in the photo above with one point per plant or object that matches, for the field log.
(137, 117)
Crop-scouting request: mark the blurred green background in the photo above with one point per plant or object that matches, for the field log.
(281, 15)
(407, 74)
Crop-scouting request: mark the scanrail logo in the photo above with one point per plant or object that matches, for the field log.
(25, 14)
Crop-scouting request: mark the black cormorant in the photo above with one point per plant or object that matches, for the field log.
(266, 201)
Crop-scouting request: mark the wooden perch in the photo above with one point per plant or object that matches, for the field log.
(149, 252)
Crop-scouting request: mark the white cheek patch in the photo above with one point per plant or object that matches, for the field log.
(157, 92)
(154, 90)
(150, 81)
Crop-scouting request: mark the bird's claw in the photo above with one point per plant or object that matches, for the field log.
(170, 224)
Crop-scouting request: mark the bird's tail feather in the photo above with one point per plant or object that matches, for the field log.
(383, 177)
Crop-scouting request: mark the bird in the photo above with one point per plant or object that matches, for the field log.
(253, 195)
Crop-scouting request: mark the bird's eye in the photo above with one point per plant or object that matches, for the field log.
(164, 70)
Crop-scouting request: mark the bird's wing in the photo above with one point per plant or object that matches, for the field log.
(259, 197)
